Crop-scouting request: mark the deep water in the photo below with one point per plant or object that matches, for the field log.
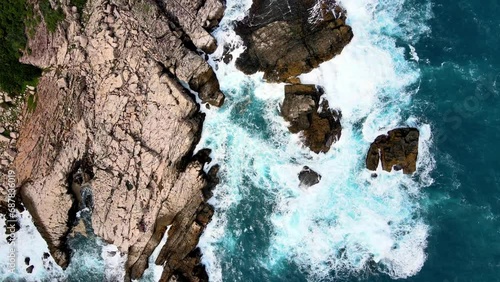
(460, 97)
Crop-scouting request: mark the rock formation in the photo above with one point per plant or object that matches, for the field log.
(319, 124)
(286, 38)
(398, 149)
(308, 177)
(113, 102)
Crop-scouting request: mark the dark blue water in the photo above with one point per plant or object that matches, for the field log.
(461, 88)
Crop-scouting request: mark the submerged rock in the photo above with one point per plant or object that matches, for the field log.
(319, 124)
(397, 150)
(308, 177)
(287, 38)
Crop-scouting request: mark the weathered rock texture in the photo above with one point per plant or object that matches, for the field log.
(319, 124)
(112, 98)
(287, 38)
(308, 177)
(398, 149)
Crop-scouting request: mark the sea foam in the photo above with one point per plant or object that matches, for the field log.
(349, 223)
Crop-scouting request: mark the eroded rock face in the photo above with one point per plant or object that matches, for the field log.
(112, 94)
(287, 38)
(397, 150)
(319, 124)
(308, 177)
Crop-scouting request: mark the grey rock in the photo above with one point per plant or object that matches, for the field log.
(308, 177)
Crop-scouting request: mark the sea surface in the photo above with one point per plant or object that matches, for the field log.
(430, 64)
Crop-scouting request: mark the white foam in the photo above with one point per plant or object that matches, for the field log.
(114, 263)
(28, 243)
(370, 218)
(413, 53)
(154, 271)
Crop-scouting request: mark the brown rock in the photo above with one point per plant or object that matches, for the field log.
(287, 38)
(300, 108)
(398, 149)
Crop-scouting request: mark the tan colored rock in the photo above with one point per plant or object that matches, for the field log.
(4, 139)
(116, 106)
(186, 13)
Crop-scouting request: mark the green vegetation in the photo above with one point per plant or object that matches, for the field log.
(52, 17)
(32, 20)
(13, 75)
(79, 4)
(32, 100)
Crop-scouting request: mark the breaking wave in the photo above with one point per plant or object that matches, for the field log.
(350, 223)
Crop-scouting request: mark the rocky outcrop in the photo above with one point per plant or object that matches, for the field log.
(397, 150)
(196, 18)
(308, 177)
(10, 116)
(302, 108)
(286, 38)
(113, 101)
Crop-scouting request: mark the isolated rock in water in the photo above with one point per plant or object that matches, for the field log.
(308, 177)
(319, 124)
(398, 149)
(287, 38)
(113, 101)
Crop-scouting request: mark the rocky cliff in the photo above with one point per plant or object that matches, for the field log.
(114, 102)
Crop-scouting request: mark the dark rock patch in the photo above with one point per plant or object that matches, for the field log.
(308, 177)
(302, 108)
(397, 150)
(287, 38)
(30, 268)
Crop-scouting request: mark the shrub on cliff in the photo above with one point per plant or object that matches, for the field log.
(14, 75)
(51, 16)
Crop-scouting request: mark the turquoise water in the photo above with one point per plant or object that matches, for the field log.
(433, 65)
